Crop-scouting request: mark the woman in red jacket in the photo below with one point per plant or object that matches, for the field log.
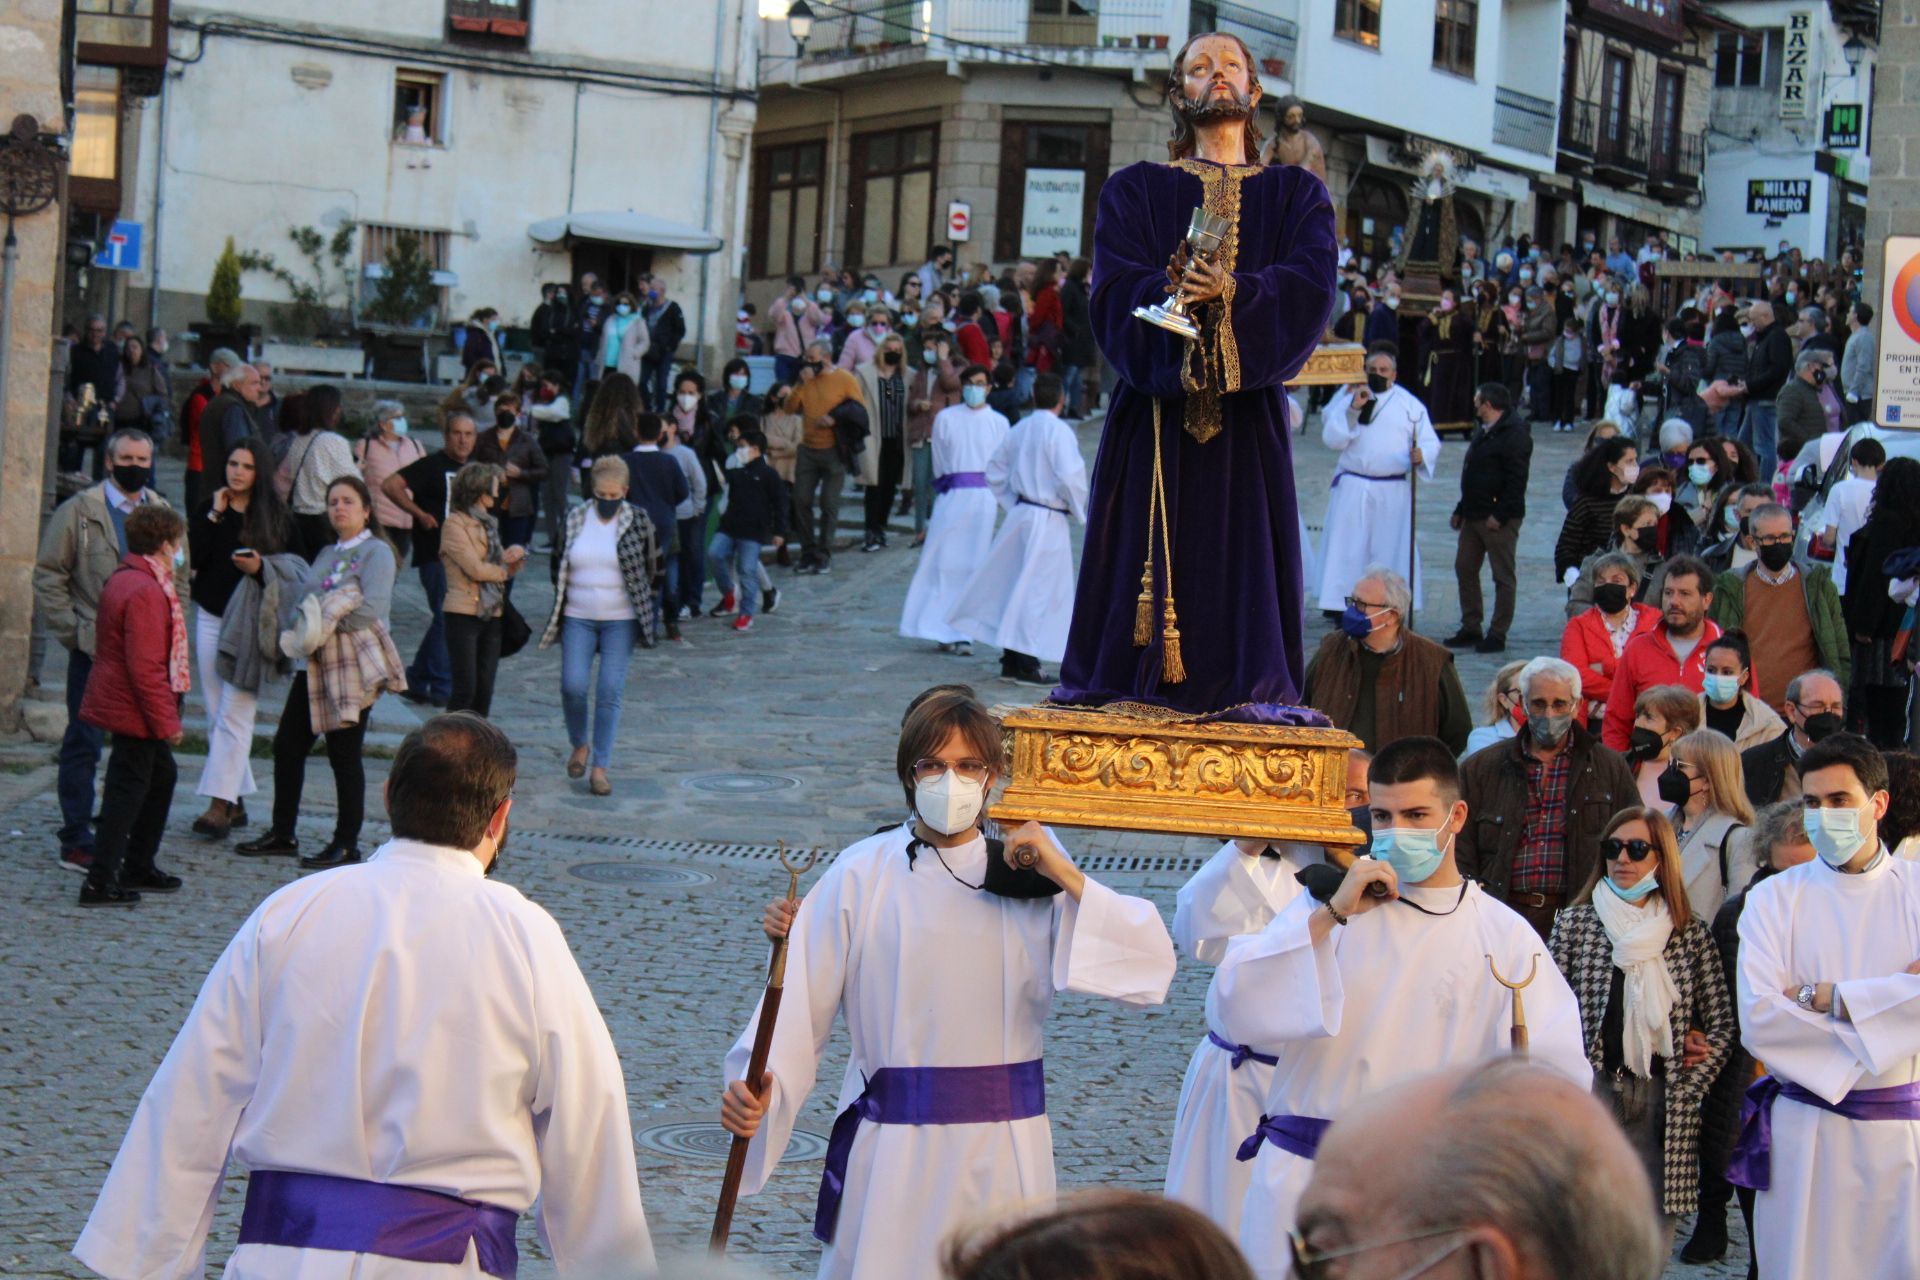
(1594, 640)
(139, 677)
(1045, 322)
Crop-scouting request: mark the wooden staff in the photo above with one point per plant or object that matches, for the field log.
(1519, 1010)
(757, 1060)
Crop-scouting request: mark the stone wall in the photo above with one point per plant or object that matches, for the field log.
(1893, 196)
(30, 85)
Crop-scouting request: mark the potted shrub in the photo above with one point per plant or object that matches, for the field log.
(222, 326)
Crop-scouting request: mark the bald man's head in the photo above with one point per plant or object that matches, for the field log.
(1760, 314)
(1522, 1172)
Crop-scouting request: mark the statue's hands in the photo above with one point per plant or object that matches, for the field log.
(1203, 281)
(1177, 267)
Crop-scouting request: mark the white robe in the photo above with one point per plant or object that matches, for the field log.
(1022, 597)
(1845, 1199)
(961, 529)
(930, 973)
(1392, 995)
(1369, 521)
(403, 1021)
(1233, 894)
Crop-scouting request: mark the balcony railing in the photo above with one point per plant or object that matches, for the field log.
(1579, 127)
(849, 27)
(1522, 121)
(1678, 161)
(1274, 41)
(1621, 146)
(504, 19)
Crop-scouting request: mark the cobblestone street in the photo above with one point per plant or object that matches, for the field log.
(727, 744)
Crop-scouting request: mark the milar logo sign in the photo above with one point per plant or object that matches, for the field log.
(1779, 197)
(1843, 124)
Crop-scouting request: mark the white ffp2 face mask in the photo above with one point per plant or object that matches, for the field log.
(950, 803)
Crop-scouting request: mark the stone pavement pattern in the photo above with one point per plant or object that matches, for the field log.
(809, 701)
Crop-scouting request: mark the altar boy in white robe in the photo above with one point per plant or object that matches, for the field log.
(1022, 597)
(1828, 981)
(965, 438)
(1238, 891)
(1362, 991)
(1382, 432)
(405, 1056)
(943, 960)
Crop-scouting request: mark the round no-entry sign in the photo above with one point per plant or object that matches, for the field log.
(959, 220)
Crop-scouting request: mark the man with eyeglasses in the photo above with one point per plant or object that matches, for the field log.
(1505, 1168)
(1816, 709)
(1790, 613)
(1381, 682)
(1829, 995)
(1238, 891)
(1388, 977)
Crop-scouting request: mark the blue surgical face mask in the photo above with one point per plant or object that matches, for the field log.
(1414, 853)
(399, 426)
(179, 556)
(1700, 473)
(1721, 689)
(1635, 894)
(623, 309)
(1834, 833)
(1357, 622)
(975, 396)
(738, 381)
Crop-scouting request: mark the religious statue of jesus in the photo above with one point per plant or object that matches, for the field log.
(1189, 598)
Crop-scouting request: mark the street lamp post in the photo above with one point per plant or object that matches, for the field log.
(800, 25)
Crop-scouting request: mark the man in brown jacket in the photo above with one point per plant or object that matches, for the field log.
(1539, 800)
(1379, 681)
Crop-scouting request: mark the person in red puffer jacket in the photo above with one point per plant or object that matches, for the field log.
(140, 674)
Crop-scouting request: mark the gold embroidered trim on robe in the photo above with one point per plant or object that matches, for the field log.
(1217, 353)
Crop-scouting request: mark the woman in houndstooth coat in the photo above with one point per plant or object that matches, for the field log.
(1654, 1008)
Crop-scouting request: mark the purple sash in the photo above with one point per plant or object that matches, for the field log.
(1751, 1164)
(927, 1095)
(319, 1211)
(959, 480)
(1241, 1052)
(1298, 1134)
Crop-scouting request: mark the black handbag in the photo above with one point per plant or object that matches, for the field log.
(514, 631)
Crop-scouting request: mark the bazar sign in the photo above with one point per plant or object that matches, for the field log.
(1796, 69)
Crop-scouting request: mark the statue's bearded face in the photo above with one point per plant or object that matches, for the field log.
(1295, 120)
(1216, 83)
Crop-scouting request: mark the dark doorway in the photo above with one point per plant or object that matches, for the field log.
(619, 266)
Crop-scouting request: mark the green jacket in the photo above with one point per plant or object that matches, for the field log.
(1729, 609)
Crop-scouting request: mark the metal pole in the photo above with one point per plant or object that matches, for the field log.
(8, 254)
(713, 143)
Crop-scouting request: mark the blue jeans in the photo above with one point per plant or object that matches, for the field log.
(1073, 381)
(580, 640)
(1023, 382)
(786, 369)
(653, 384)
(736, 563)
(1760, 432)
(432, 670)
(1728, 421)
(79, 759)
(922, 486)
(687, 571)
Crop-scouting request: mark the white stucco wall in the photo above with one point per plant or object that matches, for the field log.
(256, 143)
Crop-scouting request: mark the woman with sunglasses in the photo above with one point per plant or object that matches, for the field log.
(942, 956)
(1646, 972)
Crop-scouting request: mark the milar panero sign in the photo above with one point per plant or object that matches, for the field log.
(1777, 197)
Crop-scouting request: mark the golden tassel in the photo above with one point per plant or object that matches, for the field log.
(1172, 669)
(1143, 607)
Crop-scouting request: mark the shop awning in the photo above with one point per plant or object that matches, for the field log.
(625, 227)
(1625, 204)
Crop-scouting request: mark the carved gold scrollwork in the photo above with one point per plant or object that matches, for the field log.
(1177, 766)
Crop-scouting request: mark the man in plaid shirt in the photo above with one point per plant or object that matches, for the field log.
(1540, 799)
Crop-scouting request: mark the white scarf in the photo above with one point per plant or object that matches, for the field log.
(1639, 936)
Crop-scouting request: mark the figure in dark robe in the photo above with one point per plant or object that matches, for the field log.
(1203, 423)
(1446, 339)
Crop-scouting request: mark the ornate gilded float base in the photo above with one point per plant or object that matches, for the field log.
(1333, 364)
(1074, 767)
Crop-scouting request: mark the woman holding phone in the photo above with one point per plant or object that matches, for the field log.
(228, 535)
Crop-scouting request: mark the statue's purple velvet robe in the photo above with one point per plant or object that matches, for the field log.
(1236, 531)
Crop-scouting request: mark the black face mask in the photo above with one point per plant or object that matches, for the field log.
(1821, 726)
(1675, 786)
(1640, 540)
(131, 479)
(889, 358)
(1645, 744)
(1611, 597)
(1775, 555)
(608, 507)
(1378, 383)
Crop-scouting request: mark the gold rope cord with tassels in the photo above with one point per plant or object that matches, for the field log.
(1173, 669)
